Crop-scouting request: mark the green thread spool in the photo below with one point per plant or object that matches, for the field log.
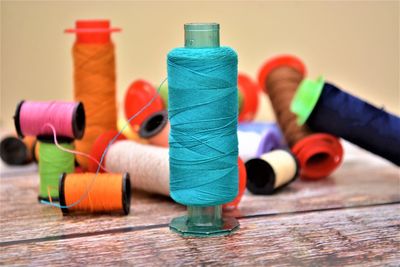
(53, 162)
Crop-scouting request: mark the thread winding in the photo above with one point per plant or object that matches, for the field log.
(203, 112)
(52, 163)
(94, 85)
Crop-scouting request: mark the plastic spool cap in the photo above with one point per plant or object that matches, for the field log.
(139, 93)
(201, 35)
(99, 146)
(93, 31)
(249, 92)
(203, 221)
(279, 61)
(156, 129)
(306, 97)
(318, 155)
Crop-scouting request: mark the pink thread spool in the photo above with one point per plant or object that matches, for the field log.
(68, 119)
(156, 128)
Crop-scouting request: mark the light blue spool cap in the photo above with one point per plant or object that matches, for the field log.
(201, 35)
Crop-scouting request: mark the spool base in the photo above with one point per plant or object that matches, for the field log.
(204, 222)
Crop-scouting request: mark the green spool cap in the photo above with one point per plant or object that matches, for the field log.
(201, 35)
(203, 221)
(306, 98)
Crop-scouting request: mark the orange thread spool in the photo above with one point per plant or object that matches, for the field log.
(94, 80)
(108, 193)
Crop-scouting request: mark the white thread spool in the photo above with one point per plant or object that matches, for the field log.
(271, 171)
(147, 165)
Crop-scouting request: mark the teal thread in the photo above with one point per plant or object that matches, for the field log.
(203, 111)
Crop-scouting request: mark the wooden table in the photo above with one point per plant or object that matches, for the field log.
(350, 218)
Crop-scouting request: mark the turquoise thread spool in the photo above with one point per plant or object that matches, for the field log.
(203, 221)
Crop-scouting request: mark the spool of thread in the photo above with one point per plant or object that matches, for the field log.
(147, 165)
(249, 89)
(15, 151)
(52, 163)
(108, 193)
(272, 171)
(319, 155)
(326, 108)
(94, 79)
(155, 129)
(140, 93)
(253, 144)
(68, 118)
(203, 113)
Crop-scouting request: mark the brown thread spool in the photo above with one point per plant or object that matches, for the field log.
(94, 80)
(318, 154)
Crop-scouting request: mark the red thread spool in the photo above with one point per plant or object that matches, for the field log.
(140, 93)
(249, 90)
(242, 187)
(318, 154)
(99, 146)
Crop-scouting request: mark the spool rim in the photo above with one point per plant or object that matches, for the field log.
(306, 97)
(49, 139)
(256, 168)
(15, 144)
(78, 120)
(17, 122)
(126, 193)
(316, 144)
(144, 130)
(276, 62)
(61, 193)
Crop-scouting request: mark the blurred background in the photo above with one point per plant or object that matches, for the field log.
(353, 44)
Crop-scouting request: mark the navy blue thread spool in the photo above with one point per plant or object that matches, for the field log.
(326, 108)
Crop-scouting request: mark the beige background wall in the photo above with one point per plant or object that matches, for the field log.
(354, 44)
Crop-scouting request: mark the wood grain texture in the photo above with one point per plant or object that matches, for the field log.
(342, 237)
(362, 180)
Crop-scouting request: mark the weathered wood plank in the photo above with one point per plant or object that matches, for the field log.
(362, 180)
(367, 236)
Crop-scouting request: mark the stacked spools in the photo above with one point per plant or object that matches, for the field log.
(50, 121)
(319, 154)
(94, 80)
